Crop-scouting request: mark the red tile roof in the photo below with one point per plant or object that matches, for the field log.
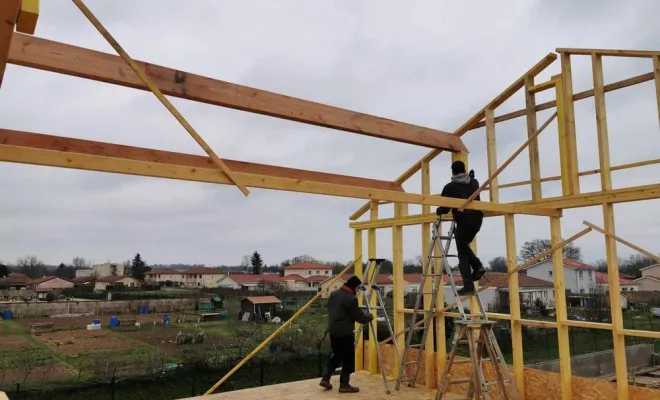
(15, 278)
(203, 271)
(163, 271)
(113, 278)
(317, 278)
(601, 278)
(42, 280)
(246, 279)
(263, 299)
(381, 279)
(82, 279)
(523, 280)
(293, 277)
(308, 265)
(577, 264)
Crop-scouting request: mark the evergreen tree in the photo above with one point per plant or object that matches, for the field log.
(61, 271)
(4, 270)
(139, 268)
(257, 263)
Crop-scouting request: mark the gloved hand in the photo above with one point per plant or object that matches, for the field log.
(371, 317)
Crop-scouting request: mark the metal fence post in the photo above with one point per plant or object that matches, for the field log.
(261, 365)
(193, 383)
(112, 388)
(18, 390)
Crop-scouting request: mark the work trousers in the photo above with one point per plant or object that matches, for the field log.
(343, 353)
(467, 228)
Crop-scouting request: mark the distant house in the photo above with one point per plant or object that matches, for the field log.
(627, 285)
(82, 281)
(49, 284)
(253, 282)
(200, 277)
(164, 275)
(579, 278)
(383, 282)
(257, 306)
(15, 281)
(308, 269)
(650, 279)
(126, 281)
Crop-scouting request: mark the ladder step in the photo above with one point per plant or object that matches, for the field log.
(461, 380)
(445, 256)
(412, 362)
(466, 361)
(428, 275)
(416, 346)
(463, 341)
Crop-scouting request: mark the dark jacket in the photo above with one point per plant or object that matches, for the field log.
(344, 312)
(461, 187)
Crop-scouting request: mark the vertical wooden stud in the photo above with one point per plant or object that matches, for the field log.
(610, 242)
(358, 270)
(371, 251)
(562, 317)
(514, 305)
(561, 128)
(441, 345)
(399, 284)
(491, 152)
(534, 163)
(429, 354)
(656, 73)
(569, 116)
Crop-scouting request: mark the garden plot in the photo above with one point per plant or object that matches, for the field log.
(77, 342)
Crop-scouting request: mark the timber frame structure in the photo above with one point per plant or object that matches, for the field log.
(18, 46)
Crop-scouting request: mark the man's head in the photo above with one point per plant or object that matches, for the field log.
(457, 167)
(352, 283)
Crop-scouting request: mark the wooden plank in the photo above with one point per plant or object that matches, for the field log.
(9, 10)
(64, 144)
(400, 209)
(609, 52)
(623, 241)
(635, 80)
(560, 299)
(429, 353)
(358, 270)
(154, 89)
(27, 18)
(601, 123)
(656, 74)
(541, 87)
(470, 123)
(371, 252)
(514, 305)
(534, 161)
(26, 155)
(491, 154)
(569, 118)
(71, 60)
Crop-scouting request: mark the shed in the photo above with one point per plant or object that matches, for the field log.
(256, 307)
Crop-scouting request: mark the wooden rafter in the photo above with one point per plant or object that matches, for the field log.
(111, 150)
(9, 10)
(610, 52)
(27, 19)
(125, 165)
(650, 255)
(47, 55)
(467, 126)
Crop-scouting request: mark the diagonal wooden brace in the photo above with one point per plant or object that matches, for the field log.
(623, 241)
(154, 89)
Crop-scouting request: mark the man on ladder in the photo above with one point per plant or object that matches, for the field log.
(343, 313)
(468, 224)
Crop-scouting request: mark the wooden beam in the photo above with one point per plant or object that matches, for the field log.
(491, 155)
(609, 52)
(71, 60)
(429, 353)
(358, 271)
(371, 252)
(560, 299)
(601, 123)
(154, 89)
(514, 305)
(27, 18)
(507, 162)
(88, 147)
(65, 159)
(569, 125)
(470, 123)
(623, 241)
(656, 74)
(400, 209)
(9, 10)
(534, 161)
(635, 80)
(541, 87)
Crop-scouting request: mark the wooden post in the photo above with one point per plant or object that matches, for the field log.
(399, 285)
(371, 251)
(561, 128)
(610, 242)
(358, 270)
(656, 74)
(441, 345)
(429, 353)
(491, 152)
(569, 117)
(514, 305)
(562, 317)
(534, 163)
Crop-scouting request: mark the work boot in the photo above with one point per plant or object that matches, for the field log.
(344, 386)
(325, 380)
(466, 290)
(478, 273)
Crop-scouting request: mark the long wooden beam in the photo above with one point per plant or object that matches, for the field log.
(9, 10)
(47, 55)
(610, 52)
(650, 255)
(637, 193)
(116, 151)
(126, 165)
(468, 125)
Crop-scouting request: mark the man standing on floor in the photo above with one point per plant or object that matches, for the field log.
(343, 313)
(468, 224)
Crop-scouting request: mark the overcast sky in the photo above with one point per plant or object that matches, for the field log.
(432, 63)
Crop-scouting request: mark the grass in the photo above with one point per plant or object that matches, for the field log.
(9, 327)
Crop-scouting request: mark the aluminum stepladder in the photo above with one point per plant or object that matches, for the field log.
(486, 337)
(367, 291)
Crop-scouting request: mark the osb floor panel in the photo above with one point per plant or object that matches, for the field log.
(371, 387)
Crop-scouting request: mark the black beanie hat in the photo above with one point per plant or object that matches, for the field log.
(353, 282)
(457, 167)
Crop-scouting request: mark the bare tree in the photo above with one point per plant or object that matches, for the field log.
(80, 263)
(498, 264)
(535, 247)
(245, 332)
(31, 266)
